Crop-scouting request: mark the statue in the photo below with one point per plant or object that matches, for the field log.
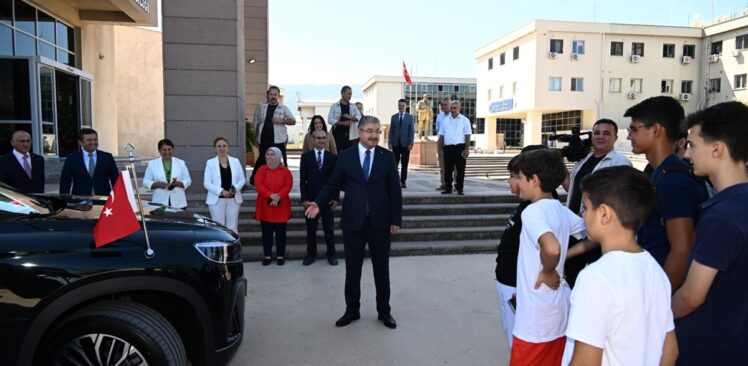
(425, 117)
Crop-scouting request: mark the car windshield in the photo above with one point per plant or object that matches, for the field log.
(15, 204)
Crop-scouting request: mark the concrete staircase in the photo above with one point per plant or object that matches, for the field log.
(481, 166)
(431, 225)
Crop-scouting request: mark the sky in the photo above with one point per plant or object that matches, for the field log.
(349, 41)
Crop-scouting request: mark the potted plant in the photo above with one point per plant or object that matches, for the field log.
(249, 133)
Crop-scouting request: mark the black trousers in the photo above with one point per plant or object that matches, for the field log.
(453, 159)
(311, 233)
(341, 136)
(260, 160)
(354, 243)
(402, 153)
(268, 229)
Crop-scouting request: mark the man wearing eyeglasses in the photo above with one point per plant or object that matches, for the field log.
(603, 155)
(372, 212)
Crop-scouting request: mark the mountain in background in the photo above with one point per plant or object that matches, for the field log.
(331, 91)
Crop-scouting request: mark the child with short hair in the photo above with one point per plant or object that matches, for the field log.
(542, 294)
(620, 306)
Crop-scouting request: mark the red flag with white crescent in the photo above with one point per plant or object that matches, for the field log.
(117, 219)
(406, 75)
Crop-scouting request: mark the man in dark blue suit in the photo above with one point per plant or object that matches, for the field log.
(372, 211)
(21, 168)
(401, 138)
(89, 171)
(315, 170)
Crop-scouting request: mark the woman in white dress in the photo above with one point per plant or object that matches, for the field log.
(224, 180)
(167, 177)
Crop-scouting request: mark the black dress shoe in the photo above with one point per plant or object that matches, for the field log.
(403, 185)
(332, 260)
(266, 261)
(281, 261)
(387, 320)
(449, 191)
(347, 318)
(461, 193)
(308, 260)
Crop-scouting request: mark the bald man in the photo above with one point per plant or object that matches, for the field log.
(21, 168)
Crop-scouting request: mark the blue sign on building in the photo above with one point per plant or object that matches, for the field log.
(502, 105)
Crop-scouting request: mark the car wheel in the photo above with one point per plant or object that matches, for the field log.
(115, 333)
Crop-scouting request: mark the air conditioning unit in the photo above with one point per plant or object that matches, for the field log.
(686, 60)
(574, 56)
(552, 55)
(635, 58)
(685, 96)
(714, 58)
(631, 95)
(736, 53)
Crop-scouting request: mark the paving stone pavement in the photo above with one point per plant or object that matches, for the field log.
(446, 307)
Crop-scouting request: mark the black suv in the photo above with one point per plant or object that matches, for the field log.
(65, 302)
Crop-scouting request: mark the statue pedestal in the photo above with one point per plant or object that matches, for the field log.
(424, 153)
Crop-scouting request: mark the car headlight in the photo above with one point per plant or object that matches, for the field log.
(220, 251)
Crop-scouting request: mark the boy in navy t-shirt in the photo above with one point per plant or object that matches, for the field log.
(711, 308)
(668, 232)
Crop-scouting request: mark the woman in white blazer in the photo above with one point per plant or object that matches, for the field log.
(224, 180)
(167, 177)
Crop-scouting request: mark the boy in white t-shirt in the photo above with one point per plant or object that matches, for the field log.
(542, 294)
(620, 306)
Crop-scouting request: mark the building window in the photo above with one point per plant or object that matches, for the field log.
(740, 81)
(689, 50)
(515, 53)
(515, 88)
(614, 85)
(666, 86)
(685, 86)
(562, 121)
(637, 48)
(715, 48)
(636, 85)
(616, 48)
(554, 83)
(557, 45)
(668, 50)
(577, 84)
(501, 92)
(490, 91)
(502, 58)
(490, 63)
(480, 126)
(715, 85)
(512, 130)
(741, 42)
(577, 47)
(36, 33)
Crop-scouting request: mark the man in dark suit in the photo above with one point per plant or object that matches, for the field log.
(315, 169)
(372, 211)
(89, 171)
(401, 138)
(21, 168)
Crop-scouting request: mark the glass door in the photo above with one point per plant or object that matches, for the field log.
(48, 108)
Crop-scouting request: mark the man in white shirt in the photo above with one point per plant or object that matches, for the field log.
(440, 153)
(454, 140)
(344, 117)
(21, 168)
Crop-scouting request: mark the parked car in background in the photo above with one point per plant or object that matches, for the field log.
(65, 302)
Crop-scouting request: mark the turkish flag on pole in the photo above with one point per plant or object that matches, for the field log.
(117, 219)
(406, 75)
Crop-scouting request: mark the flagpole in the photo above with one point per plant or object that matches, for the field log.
(149, 253)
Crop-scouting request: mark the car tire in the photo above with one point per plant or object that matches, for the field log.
(115, 330)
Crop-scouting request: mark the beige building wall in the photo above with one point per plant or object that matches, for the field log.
(730, 63)
(526, 80)
(255, 48)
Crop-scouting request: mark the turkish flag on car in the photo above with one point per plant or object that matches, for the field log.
(406, 75)
(117, 219)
